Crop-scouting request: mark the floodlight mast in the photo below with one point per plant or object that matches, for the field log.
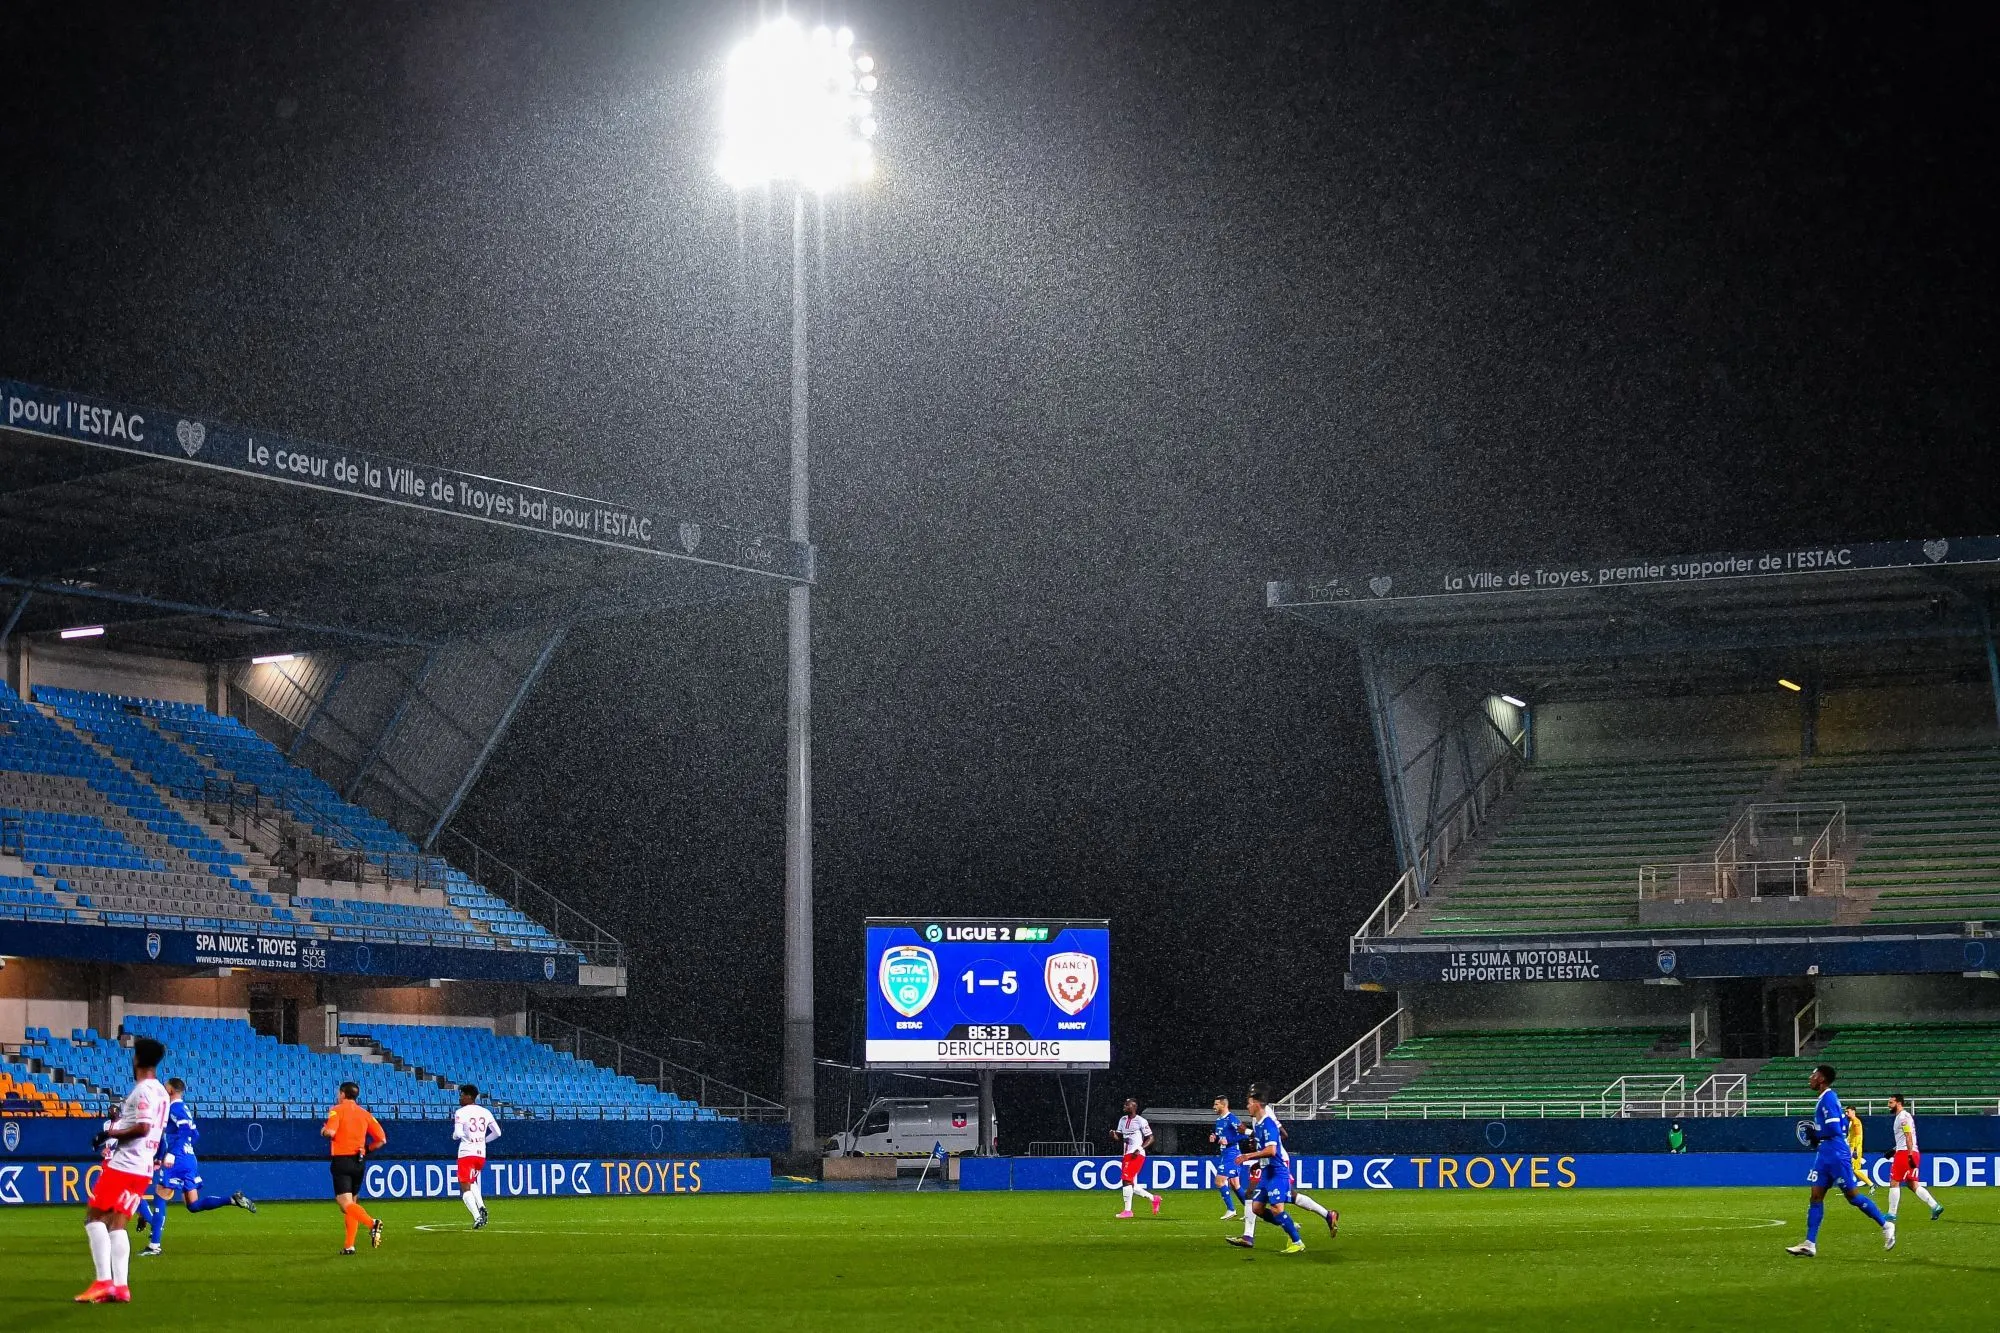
(797, 111)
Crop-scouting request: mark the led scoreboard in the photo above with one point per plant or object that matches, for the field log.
(990, 994)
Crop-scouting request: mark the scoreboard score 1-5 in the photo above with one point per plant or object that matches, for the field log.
(988, 994)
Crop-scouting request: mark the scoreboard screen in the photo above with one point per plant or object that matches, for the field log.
(988, 994)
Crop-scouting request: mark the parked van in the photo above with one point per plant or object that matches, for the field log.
(909, 1126)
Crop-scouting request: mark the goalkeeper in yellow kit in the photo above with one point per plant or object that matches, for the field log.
(1854, 1150)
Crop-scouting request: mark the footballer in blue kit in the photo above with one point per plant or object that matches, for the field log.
(1833, 1165)
(1228, 1138)
(1273, 1189)
(179, 1171)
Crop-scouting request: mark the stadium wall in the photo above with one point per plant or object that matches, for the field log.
(1478, 1171)
(40, 1182)
(1762, 722)
(1527, 1006)
(1907, 999)
(66, 1139)
(112, 672)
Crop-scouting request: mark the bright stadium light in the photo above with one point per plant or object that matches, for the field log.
(1510, 699)
(83, 632)
(273, 659)
(796, 109)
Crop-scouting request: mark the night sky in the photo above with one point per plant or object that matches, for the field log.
(1150, 304)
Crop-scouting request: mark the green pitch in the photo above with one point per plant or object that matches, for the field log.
(1587, 1262)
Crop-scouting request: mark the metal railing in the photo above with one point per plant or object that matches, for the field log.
(1771, 850)
(1709, 881)
(652, 1070)
(1324, 1088)
(1632, 1096)
(1594, 1108)
(1060, 1148)
(265, 819)
(1781, 831)
(1721, 1095)
(598, 946)
(1805, 1026)
(1456, 827)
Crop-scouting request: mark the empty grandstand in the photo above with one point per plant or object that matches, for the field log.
(227, 803)
(1673, 831)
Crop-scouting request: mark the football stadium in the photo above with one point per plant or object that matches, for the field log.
(1249, 876)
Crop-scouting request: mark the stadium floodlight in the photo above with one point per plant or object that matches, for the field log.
(797, 110)
(1510, 699)
(83, 632)
(272, 659)
(1791, 685)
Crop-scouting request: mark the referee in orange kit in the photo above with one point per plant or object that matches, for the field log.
(355, 1134)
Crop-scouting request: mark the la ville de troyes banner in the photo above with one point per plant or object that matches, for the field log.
(178, 437)
(998, 994)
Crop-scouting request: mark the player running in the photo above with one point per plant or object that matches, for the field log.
(1909, 1163)
(355, 1134)
(1833, 1166)
(474, 1127)
(1134, 1136)
(128, 1141)
(1273, 1189)
(1228, 1141)
(179, 1172)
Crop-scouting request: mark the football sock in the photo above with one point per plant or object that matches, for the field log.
(1923, 1194)
(1867, 1205)
(1309, 1205)
(1291, 1227)
(121, 1258)
(1228, 1199)
(1139, 1190)
(1128, 1198)
(158, 1220)
(1815, 1214)
(203, 1205)
(1895, 1200)
(1250, 1222)
(472, 1201)
(99, 1237)
(357, 1217)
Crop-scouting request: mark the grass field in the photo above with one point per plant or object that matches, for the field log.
(1588, 1261)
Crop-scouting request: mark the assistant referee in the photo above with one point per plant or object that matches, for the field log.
(355, 1134)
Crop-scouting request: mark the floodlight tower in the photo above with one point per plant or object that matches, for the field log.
(798, 111)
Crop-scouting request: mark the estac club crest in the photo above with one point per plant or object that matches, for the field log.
(909, 978)
(1071, 979)
(10, 1135)
(152, 945)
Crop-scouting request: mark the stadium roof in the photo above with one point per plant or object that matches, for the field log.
(197, 539)
(1902, 607)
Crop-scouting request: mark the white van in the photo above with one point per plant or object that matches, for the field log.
(909, 1126)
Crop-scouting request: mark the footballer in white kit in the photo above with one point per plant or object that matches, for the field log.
(1908, 1167)
(1134, 1136)
(129, 1142)
(474, 1127)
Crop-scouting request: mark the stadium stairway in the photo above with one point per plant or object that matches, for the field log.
(1568, 858)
